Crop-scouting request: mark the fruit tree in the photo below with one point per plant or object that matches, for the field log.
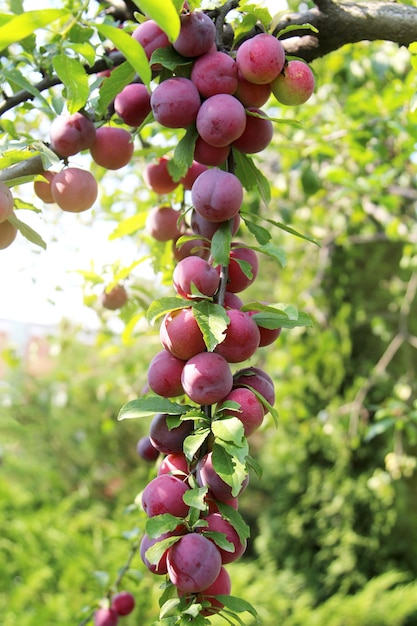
(184, 97)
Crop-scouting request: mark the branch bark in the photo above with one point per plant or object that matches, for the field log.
(342, 23)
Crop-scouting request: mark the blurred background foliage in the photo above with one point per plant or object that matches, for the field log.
(333, 518)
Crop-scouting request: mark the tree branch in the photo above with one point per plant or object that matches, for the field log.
(342, 23)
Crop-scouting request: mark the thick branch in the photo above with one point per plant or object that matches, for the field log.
(342, 23)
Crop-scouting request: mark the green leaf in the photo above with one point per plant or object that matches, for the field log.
(194, 441)
(229, 468)
(128, 226)
(196, 498)
(274, 252)
(229, 429)
(112, 85)
(130, 48)
(261, 234)
(160, 524)
(251, 177)
(155, 552)
(164, 13)
(235, 518)
(212, 320)
(297, 27)
(73, 75)
(169, 606)
(14, 76)
(254, 465)
(279, 315)
(145, 407)
(165, 305)
(237, 605)
(220, 244)
(169, 58)
(27, 232)
(84, 49)
(379, 428)
(23, 25)
(219, 539)
(183, 156)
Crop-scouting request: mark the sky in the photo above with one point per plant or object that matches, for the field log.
(42, 287)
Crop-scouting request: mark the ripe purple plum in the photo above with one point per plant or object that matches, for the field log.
(123, 603)
(197, 34)
(221, 120)
(206, 378)
(6, 203)
(222, 586)
(207, 475)
(241, 337)
(164, 375)
(259, 380)
(8, 233)
(162, 223)
(105, 617)
(70, 134)
(145, 449)
(151, 37)
(204, 228)
(133, 104)
(175, 464)
(43, 189)
(214, 73)
(210, 155)
(295, 84)
(195, 271)
(166, 440)
(217, 523)
(192, 247)
(193, 173)
(261, 58)
(181, 335)
(158, 178)
(175, 102)
(194, 563)
(74, 190)
(114, 299)
(238, 279)
(113, 147)
(232, 301)
(164, 495)
(257, 134)
(147, 542)
(217, 195)
(251, 94)
(251, 412)
(268, 335)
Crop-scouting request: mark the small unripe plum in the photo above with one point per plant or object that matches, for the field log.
(162, 223)
(238, 280)
(164, 375)
(114, 299)
(206, 378)
(133, 104)
(151, 37)
(198, 272)
(181, 335)
(251, 94)
(175, 102)
(123, 603)
(206, 229)
(8, 233)
(259, 380)
(158, 178)
(113, 147)
(175, 464)
(215, 72)
(168, 440)
(261, 58)
(70, 134)
(194, 563)
(207, 475)
(251, 412)
(146, 450)
(193, 173)
(217, 195)
(257, 134)
(147, 542)
(241, 337)
(43, 189)
(217, 523)
(221, 120)
(105, 617)
(74, 190)
(295, 84)
(197, 34)
(164, 495)
(6, 203)
(210, 155)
